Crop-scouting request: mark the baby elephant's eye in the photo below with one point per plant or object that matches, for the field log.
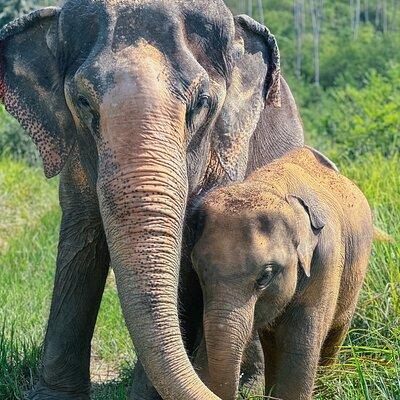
(266, 276)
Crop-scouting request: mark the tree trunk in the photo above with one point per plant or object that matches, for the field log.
(377, 13)
(243, 6)
(384, 16)
(351, 11)
(250, 7)
(299, 29)
(316, 15)
(261, 11)
(366, 11)
(357, 18)
(393, 25)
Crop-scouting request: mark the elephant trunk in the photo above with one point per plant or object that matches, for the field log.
(227, 332)
(142, 187)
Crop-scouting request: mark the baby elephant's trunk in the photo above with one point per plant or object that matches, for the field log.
(227, 331)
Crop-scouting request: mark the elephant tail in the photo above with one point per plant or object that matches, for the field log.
(382, 236)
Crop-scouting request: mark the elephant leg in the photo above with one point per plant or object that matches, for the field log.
(332, 344)
(201, 362)
(271, 354)
(142, 388)
(82, 268)
(252, 369)
(299, 344)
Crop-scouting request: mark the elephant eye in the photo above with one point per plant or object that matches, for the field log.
(203, 101)
(199, 111)
(88, 115)
(83, 102)
(268, 273)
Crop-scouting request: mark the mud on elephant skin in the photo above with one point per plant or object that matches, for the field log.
(140, 105)
(284, 254)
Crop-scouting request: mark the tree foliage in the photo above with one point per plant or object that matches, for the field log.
(339, 56)
(350, 122)
(368, 30)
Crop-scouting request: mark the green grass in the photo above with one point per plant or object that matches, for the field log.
(369, 364)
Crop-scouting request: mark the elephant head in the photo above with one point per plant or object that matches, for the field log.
(160, 99)
(254, 246)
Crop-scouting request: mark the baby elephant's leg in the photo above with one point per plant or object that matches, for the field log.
(252, 370)
(142, 388)
(270, 349)
(201, 362)
(299, 343)
(346, 306)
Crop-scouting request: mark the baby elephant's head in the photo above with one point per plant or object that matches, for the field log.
(252, 248)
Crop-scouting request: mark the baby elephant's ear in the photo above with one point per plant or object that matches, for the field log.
(308, 206)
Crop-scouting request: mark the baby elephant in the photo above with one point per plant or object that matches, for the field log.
(284, 254)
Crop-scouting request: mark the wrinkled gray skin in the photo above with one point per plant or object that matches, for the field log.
(141, 105)
(282, 255)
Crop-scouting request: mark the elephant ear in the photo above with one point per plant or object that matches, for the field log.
(323, 159)
(255, 83)
(32, 87)
(308, 234)
(261, 39)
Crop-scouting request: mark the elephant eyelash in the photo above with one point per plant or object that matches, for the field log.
(90, 119)
(203, 103)
(268, 274)
(83, 101)
(200, 102)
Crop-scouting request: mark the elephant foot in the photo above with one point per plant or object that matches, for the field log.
(142, 388)
(42, 392)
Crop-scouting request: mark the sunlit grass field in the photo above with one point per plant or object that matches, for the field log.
(369, 364)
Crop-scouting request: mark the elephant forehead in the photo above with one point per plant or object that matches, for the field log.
(146, 59)
(130, 23)
(232, 252)
(245, 197)
(151, 17)
(206, 6)
(189, 42)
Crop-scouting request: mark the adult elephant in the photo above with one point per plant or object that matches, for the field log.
(140, 105)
